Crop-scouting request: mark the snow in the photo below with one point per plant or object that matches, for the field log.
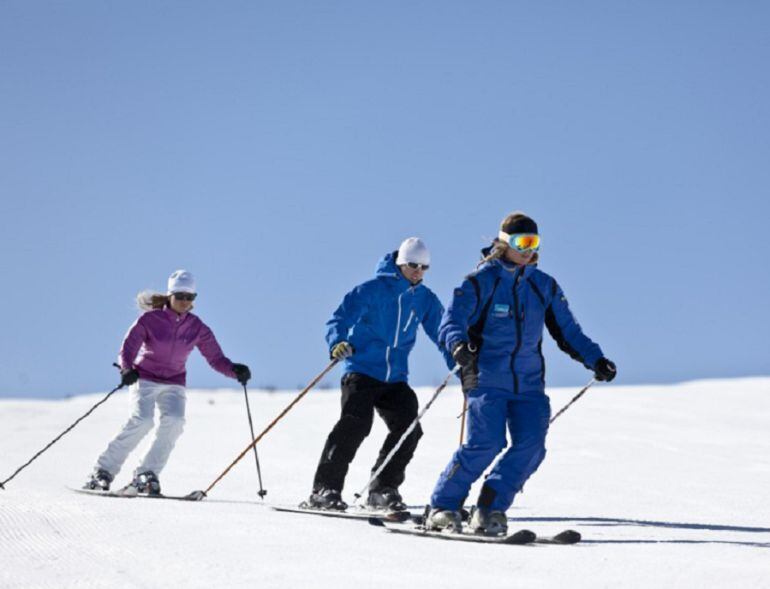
(667, 484)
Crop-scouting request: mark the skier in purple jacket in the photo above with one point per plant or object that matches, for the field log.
(152, 362)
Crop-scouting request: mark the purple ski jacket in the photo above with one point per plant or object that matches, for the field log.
(160, 341)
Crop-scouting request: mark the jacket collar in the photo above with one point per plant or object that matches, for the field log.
(173, 315)
(387, 269)
(510, 269)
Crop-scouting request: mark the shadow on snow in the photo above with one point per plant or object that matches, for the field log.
(611, 522)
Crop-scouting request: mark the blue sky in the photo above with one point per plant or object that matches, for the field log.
(278, 149)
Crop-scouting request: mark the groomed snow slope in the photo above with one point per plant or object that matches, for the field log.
(668, 485)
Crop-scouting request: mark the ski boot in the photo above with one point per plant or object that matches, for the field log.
(386, 499)
(146, 483)
(489, 523)
(100, 481)
(325, 499)
(444, 520)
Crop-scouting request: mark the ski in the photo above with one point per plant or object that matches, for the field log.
(119, 495)
(351, 513)
(518, 538)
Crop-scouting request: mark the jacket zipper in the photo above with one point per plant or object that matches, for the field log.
(395, 339)
(173, 338)
(542, 361)
(409, 321)
(398, 321)
(518, 332)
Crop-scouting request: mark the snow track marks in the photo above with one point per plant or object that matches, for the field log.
(46, 536)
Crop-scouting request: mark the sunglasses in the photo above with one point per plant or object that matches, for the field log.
(416, 266)
(184, 296)
(522, 242)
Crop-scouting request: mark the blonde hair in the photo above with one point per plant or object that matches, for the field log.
(497, 251)
(147, 300)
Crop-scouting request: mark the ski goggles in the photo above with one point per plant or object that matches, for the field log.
(184, 296)
(416, 266)
(521, 242)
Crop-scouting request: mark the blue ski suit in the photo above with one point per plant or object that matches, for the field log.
(380, 317)
(501, 309)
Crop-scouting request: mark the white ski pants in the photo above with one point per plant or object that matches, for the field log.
(145, 395)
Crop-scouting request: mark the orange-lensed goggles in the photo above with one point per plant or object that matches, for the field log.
(521, 242)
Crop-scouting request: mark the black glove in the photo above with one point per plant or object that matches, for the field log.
(128, 376)
(469, 371)
(463, 355)
(605, 369)
(469, 378)
(242, 373)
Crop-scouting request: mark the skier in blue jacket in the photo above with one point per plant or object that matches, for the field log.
(373, 330)
(494, 331)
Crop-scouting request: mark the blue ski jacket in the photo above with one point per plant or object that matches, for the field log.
(501, 310)
(380, 317)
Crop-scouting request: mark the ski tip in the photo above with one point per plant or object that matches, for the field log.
(377, 522)
(568, 537)
(195, 496)
(521, 537)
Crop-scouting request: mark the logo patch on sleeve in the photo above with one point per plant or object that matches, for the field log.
(501, 310)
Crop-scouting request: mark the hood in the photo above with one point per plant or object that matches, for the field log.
(386, 268)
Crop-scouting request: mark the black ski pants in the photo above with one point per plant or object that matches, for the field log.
(361, 395)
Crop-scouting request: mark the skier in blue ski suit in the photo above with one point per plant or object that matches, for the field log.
(494, 330)
(373, 330)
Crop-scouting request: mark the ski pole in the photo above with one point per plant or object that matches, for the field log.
(473, 348)
(575, 398)
(57, 438)
(261, 491)
(199, 495)
(408, 431)
(462, 416)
